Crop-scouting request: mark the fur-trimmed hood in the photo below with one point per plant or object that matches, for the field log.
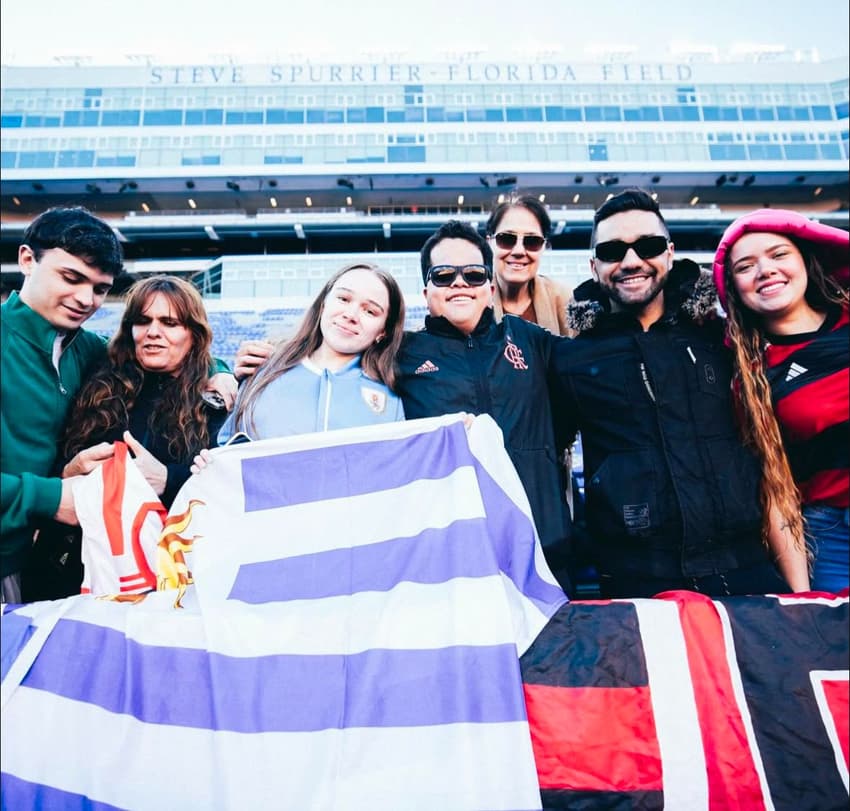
(689, 292)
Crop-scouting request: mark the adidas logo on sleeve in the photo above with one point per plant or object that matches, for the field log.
(426, 367)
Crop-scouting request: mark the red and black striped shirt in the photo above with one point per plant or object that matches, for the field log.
(810, 383)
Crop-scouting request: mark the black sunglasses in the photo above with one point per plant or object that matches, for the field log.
(644, 247)
(444, 275)
(531, 242)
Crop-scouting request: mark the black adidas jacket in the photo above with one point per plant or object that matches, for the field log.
(500, 370)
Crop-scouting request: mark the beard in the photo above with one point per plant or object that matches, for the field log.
(634, 300)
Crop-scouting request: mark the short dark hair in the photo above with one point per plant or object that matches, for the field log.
(455, 229)
(633, 199)
(527, 201)
(76, 230)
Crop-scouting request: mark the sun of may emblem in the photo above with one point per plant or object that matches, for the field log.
(376, 400)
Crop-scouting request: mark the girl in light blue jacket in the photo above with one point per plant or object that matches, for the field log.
(337, 371)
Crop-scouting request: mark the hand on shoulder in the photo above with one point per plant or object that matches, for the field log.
(250, 356)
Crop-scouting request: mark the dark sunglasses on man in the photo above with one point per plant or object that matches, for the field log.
(531, 242)
(444, 275)
(645, 247)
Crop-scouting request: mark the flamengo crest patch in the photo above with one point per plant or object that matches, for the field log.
(514, 356)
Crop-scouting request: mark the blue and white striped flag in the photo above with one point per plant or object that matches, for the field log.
(361, 599)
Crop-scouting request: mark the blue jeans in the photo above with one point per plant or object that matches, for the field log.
(828, 535)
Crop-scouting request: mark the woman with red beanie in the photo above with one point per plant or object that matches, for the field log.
(782, 279)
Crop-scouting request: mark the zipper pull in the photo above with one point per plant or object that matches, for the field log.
(646, 383)
(692, 356)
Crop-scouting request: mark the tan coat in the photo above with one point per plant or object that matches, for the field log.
(550, 299)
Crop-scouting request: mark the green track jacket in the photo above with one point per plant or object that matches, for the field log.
(34, 402)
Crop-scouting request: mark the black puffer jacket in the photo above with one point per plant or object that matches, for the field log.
(670, 490)
(501, 370)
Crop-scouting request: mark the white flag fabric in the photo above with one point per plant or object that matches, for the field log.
(121, 517)
(361, 599)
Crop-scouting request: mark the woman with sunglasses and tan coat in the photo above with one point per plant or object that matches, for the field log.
(518, 232)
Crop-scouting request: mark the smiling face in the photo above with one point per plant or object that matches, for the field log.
(517, 265)
(162, 341)
(61, 287)
(769, 274)
(459, 303)
(354, 316)
(633, 283)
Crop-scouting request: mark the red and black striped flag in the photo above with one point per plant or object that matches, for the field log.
(691, 703)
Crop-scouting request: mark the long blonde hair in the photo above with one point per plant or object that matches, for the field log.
(377, 360)
(746, 336)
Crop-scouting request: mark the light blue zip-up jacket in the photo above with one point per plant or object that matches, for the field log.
(308, 398)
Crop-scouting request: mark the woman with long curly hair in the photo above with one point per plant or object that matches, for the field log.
(782, 279)
(337, 370)
(150, 393)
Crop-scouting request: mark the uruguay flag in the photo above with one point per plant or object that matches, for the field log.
(361, 601)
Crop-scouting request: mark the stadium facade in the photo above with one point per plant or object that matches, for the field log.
(260, 179)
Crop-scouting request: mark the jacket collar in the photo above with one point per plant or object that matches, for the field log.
(352, 368)
(689, 293)
(30, 325)
(439, 325)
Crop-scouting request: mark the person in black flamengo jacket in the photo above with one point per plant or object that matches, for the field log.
(464, 360)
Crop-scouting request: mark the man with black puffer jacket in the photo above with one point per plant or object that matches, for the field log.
(672, 494)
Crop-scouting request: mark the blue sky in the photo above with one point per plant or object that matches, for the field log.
(35, 31)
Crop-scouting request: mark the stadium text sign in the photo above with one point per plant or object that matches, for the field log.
(410, 73)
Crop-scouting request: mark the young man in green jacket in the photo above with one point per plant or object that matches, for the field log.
(70, 260)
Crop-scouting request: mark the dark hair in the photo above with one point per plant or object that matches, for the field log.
(377, 360)
(527, 201)
(633, 199)
(823, 290)
(105, 401)
(455, 229)
(77, 231)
